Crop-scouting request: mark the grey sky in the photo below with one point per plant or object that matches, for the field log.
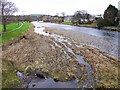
(57, 6)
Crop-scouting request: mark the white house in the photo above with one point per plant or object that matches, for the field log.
(68, 18)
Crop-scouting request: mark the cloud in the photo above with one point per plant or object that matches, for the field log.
(68, 6)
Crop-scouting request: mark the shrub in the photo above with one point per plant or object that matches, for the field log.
(101, 23)
(105, 22)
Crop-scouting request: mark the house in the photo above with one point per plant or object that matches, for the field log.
(46, 18)
(57, 19)
(68, 18)
(98, 16)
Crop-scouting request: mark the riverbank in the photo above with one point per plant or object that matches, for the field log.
(99, 60)
(59, 58)
(9, 76)
(93, 25)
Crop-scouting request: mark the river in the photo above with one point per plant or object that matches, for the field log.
(109, 38)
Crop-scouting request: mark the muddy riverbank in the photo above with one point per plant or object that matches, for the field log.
(100, 61)
(63, 58)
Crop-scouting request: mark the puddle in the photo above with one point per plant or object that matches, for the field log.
(50, 83)
(40, 31)
(56, 44)
(21, 75)
(81, 60)
(68, 57)
(36, 82)
(90, 79)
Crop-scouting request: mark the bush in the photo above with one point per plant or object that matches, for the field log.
(101, 23)
(105, 22)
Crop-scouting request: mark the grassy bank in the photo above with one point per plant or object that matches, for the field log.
(68, 23)
(112, 28)
(77, 24)
(93, 25)
(11, 35)
(9, 76)
(88, 25)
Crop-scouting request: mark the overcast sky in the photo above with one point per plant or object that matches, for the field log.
(52, 7)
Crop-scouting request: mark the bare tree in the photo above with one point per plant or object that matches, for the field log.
(77, 17)
(81, 16)
(63, 14)
(7, 9)
(57, 14)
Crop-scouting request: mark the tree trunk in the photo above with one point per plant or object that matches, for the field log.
(4, 23)
(3, 19)
(4, 26)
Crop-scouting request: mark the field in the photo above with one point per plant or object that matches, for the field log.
(13, 31)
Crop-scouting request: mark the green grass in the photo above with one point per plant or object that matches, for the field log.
(7, 36)
(84, 25)
(68, 23)
(1, 28)
(9, 77)
(10, 27)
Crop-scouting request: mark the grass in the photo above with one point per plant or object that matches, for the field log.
(1, 28)
(10, 27)
(84, 25)
(9, 77)
(88, 25)
(7, 36)
(69, 23)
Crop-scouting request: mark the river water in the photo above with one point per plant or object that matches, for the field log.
(109, 37)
